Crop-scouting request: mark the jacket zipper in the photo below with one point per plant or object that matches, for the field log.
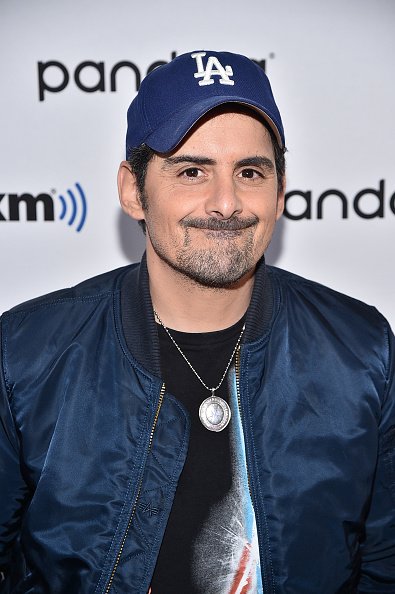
(237, 372)
(118, 558)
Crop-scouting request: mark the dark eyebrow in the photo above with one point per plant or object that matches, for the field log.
(257, 161)
(196, 160)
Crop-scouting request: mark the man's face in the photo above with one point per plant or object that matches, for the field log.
(213, 203)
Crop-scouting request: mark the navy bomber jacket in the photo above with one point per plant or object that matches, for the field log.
(88, 431)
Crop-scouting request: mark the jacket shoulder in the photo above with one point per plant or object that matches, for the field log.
(322, 299)
(90, 289)
(39, 330)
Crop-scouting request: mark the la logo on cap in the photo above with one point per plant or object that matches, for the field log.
(213, 68)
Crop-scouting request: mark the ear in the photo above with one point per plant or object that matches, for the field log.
(281, 200)
(128, 192)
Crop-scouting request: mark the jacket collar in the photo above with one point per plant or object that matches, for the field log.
(140, 328)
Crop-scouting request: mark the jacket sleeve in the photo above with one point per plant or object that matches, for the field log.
(13, 489)
(378, 548)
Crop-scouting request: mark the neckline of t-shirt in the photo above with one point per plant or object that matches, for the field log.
(191, 339)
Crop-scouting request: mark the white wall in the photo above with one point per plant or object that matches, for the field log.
(332, 69)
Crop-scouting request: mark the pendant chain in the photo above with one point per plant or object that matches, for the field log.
(212, 390)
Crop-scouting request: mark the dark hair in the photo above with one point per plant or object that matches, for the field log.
(138, 160)
(140, 157)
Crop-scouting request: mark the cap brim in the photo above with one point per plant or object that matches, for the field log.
(168, 136)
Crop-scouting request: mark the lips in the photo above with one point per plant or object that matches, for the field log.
(222, 233)
(216, 225)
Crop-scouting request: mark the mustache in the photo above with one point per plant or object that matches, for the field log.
(213, 224)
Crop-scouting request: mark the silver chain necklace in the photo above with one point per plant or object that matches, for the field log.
(214, 412)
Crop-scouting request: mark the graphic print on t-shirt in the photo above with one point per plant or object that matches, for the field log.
(210, 543)
(226, 552)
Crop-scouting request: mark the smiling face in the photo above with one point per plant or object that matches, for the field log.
(210, 207)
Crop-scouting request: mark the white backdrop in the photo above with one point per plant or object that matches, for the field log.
(332, 70)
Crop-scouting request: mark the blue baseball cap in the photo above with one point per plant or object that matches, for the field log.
(173, 97)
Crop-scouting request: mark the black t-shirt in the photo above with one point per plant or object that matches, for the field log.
(208, 475)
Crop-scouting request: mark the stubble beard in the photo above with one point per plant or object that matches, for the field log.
(224, 263)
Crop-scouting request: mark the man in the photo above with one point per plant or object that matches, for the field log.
(199, 422)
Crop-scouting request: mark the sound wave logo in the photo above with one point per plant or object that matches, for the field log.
(74, 207)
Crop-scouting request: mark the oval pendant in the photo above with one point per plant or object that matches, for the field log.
(214, 413)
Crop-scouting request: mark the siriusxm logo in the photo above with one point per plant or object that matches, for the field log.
(77, 203)
(71, 207)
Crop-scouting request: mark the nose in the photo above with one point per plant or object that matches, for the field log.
(223, 200)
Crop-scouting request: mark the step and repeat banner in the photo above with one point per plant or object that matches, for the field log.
(69, 70)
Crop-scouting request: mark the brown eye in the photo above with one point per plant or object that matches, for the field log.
(249, 173)
(191, 172)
